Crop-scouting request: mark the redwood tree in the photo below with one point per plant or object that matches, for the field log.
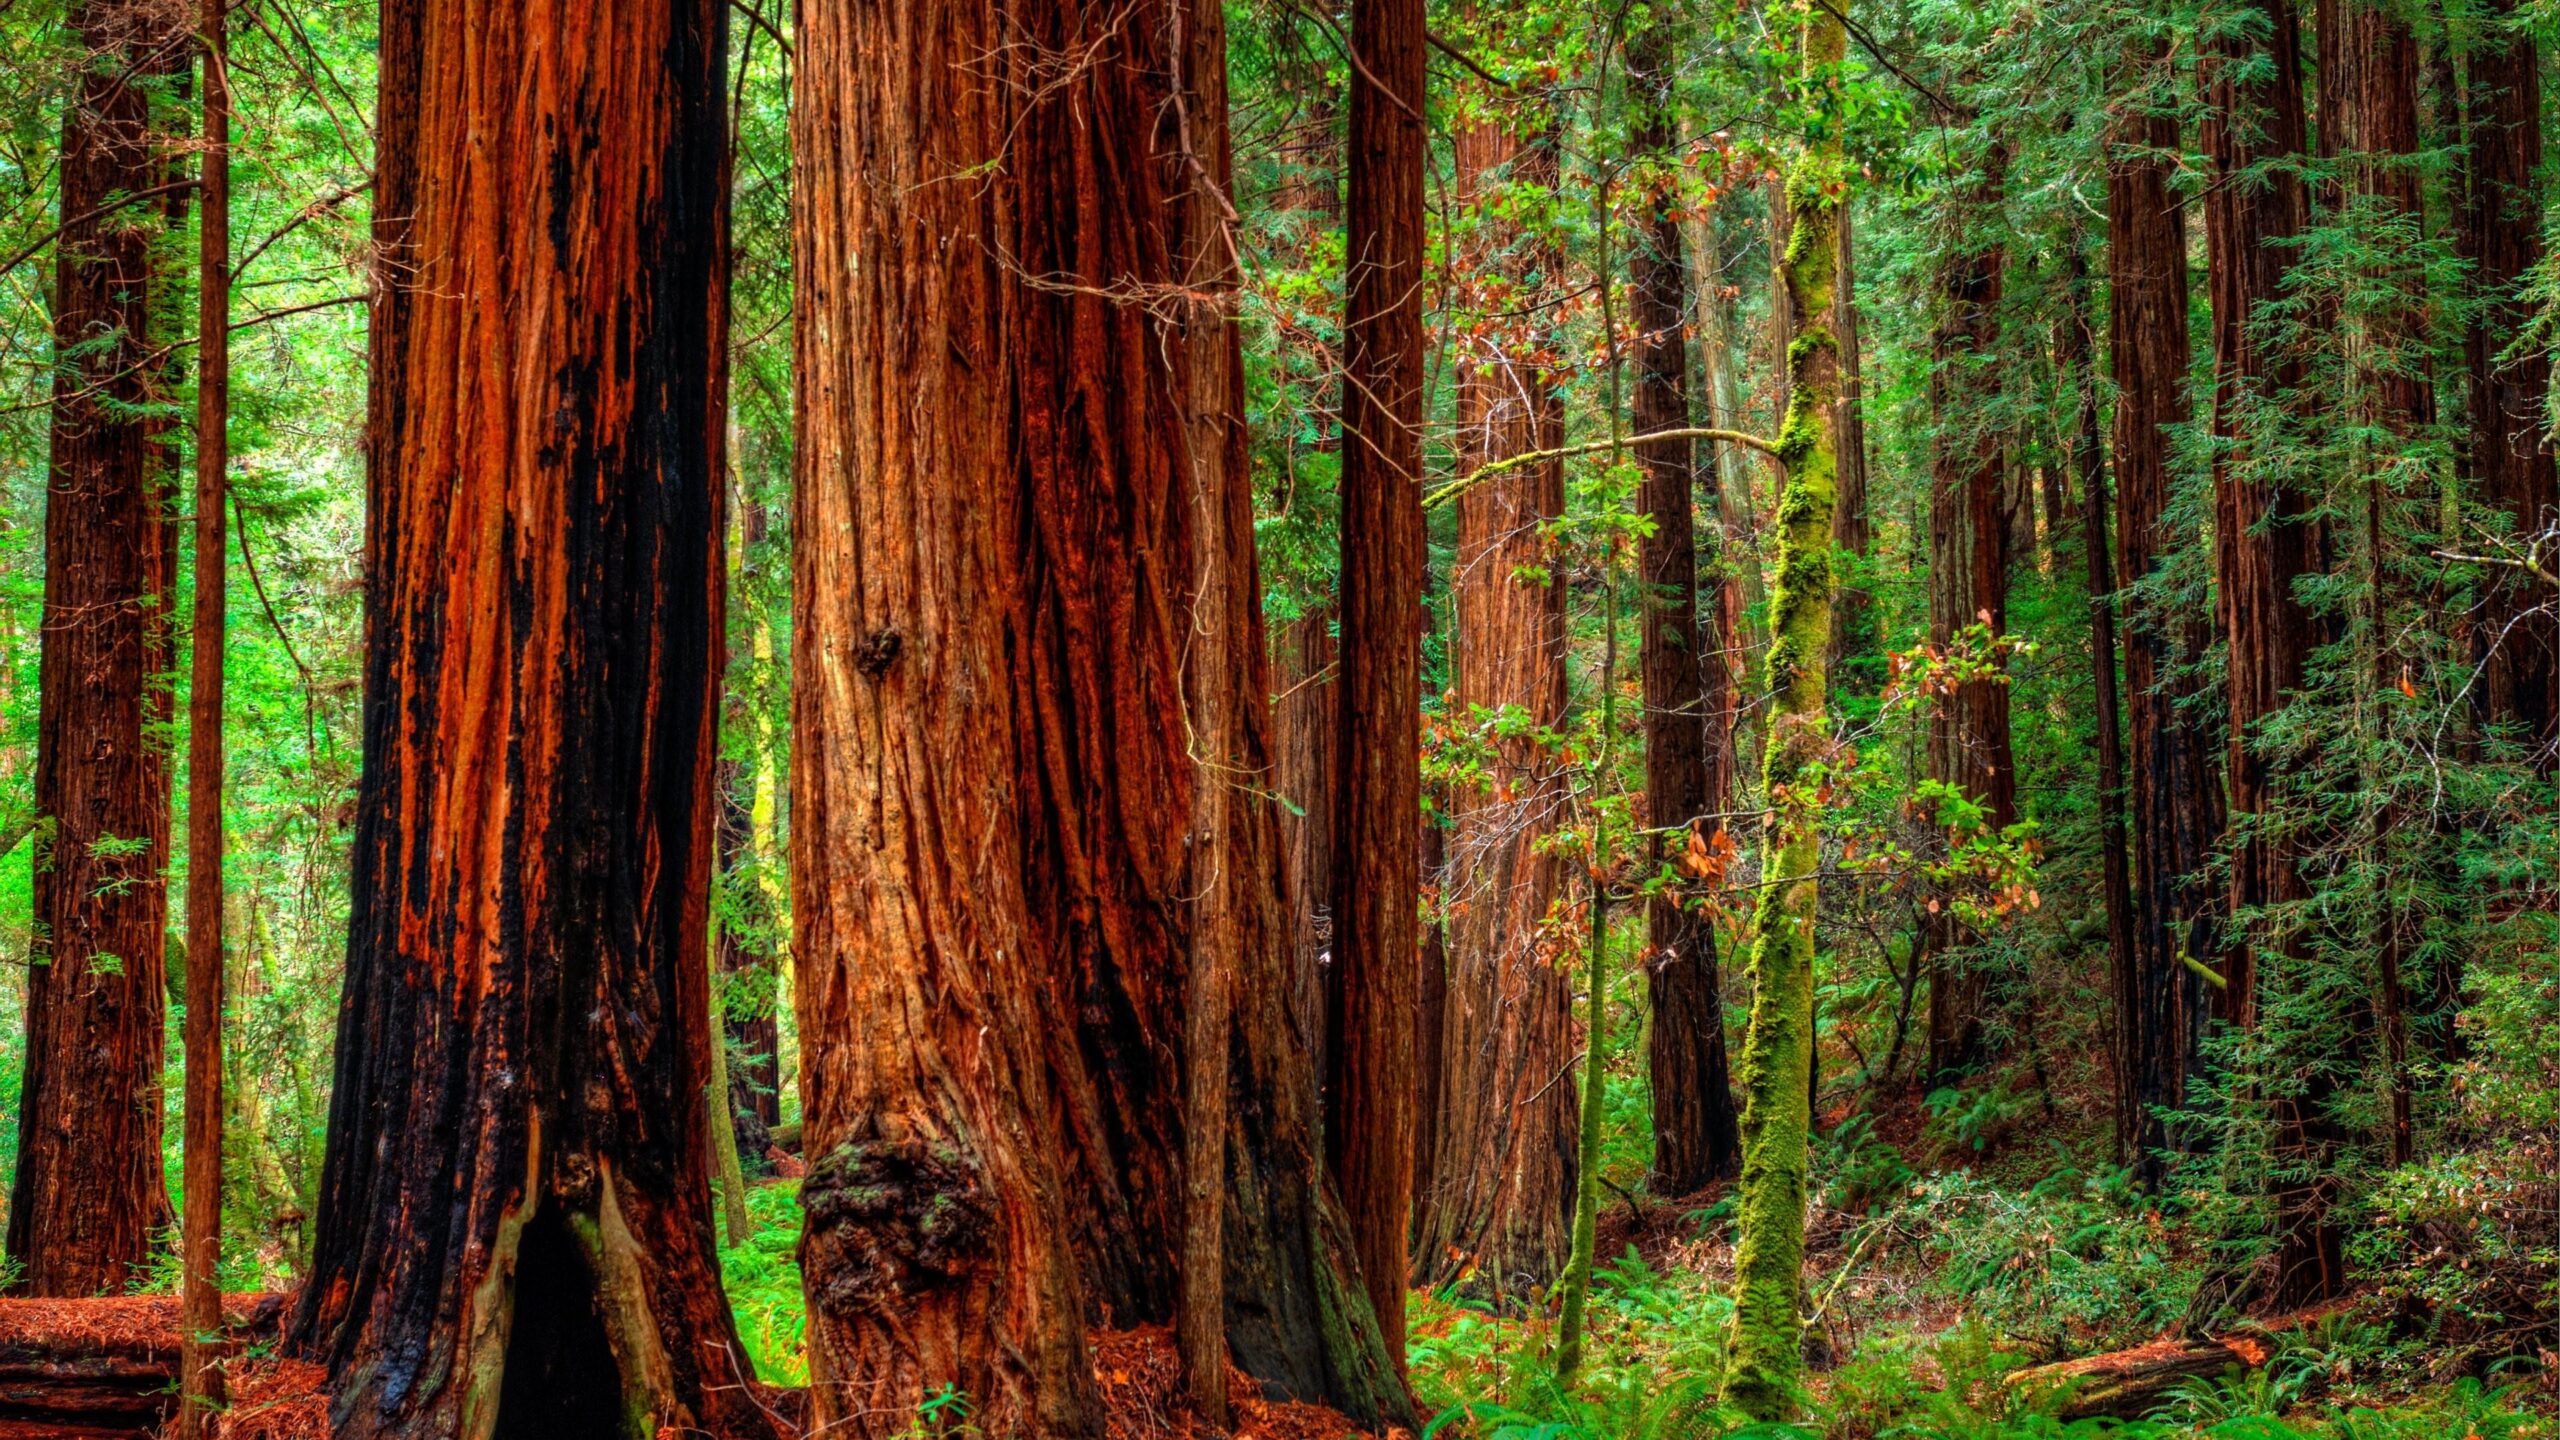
(2502, 235)
(514, 1232)
(1970, 538)
(1369, 1067)
(1498, 1203)
(2172, 762)
(1697, 1135)
(88, 1197)
(1048, 1055)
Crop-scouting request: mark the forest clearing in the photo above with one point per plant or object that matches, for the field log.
(1291, 719)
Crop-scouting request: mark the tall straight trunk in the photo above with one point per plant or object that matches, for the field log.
(1697, 1134)
(1306, 728)
(1852, 528)
(2267, 538)
(88, 1197)
(1763, 1378)
(515, 1233)
(1729, 567)
(2519, 637)
(1970, 548)
(200, 1394)
(1498, 1205)
(2078, 352)
(1027, 633)
(1370, 1069)
(2171, 759)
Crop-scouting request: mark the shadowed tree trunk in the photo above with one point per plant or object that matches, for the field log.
(1697, 1136)
(2519, 638)
(1369, 1070)
(515, 1232)
(1970, 547)
(1499, 1202)
(1853, 529)
(88, 1198)
(2266, 539)
(1306, 727)
(1045, 1034)
(2171, 760)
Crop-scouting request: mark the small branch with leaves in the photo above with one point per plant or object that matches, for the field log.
(1525, 459)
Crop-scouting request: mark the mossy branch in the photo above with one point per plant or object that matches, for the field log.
(1524, 460)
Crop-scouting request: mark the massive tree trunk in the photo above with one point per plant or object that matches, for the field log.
(1040, 1026)
(515, 1232)
(87, 1199)
(1306, 726)
(1696, 1133)
(2519, 638)
(1970, 539)
(1369, 1069)
(2171, 758)
(1778, 1045)
(2267, 538)
(1499, 1202)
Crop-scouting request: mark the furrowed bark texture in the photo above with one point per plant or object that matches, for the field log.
(87, 1198)
(1970, 551)
(1369, 1066)
(1763, 1379)
(2519, 635)
(1498, 1206)
(2266, 539)
(2172, 760)
(515, 1233)
(1027, 632)
(1696, 1132)
(1306, 727)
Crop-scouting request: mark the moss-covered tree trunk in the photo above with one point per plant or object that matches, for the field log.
(1763, 1375)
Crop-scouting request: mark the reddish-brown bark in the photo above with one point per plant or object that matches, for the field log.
(1970, 544)
(515, 1232)
(1369, 1069)
(1852, 528)
(1306, 728)
(88, 1198)
(1498, 1204)
(1045, 1033)
(2518, 636)
(1696, 1131)
(2172, 762)
(2267, 538)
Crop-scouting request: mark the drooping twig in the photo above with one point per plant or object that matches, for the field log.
(1467, 482)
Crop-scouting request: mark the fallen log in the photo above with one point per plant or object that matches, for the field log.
(107, 1365)
(2128, 1384)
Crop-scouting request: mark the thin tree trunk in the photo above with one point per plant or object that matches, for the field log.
(1306, 722)
(1034, 634)
(1697, 1135)
(1499, 1204)
(2267, 538)
(2518, 634)
(515, 1234)
(1777, 1051)
(1852, 529)
(1370, 1071)
(1971, 538)
(2172, 760)
(200, 1391)
(88, 1198)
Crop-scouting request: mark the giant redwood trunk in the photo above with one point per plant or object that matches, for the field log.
(1970, 534)
(1041, 1023)
(87, 1198)
(2267, 538)
(2172, 762)
(1369, 1067)
(1498, 1204)
(1305, 733)
(514, 1233)
(1696, 1131)
(2519, 637)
